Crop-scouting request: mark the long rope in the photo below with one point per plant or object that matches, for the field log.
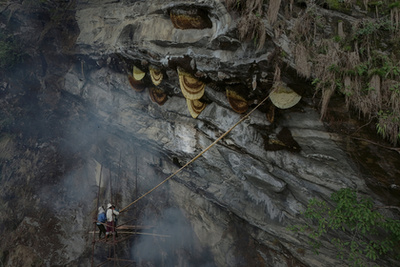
(97, 206)
(196, 157)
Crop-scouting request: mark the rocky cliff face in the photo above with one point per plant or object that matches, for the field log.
(89, 122)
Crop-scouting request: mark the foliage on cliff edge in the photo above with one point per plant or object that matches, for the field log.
(363, 233)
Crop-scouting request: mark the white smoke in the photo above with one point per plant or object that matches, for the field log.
(180, 248)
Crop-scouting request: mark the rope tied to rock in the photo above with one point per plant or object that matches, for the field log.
(196, 157)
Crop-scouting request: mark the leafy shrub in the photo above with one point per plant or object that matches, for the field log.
(362, 232)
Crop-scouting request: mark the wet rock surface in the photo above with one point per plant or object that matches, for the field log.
(76, 123)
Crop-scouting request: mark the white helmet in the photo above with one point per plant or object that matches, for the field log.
(109, 205)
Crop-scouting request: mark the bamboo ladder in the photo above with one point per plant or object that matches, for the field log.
(172, 175)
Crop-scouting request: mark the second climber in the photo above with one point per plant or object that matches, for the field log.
(111, 216)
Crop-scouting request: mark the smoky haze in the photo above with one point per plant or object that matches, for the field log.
(180, 248)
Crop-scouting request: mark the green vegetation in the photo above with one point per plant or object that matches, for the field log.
(363, 234)
(35, 3)
(10, 51)
(250, 25)
(58, 10)
(339, 5)
(362, 63)
(360, 60)
(387, 124)
(394, 5)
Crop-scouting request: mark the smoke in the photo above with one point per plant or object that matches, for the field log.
(179, 248)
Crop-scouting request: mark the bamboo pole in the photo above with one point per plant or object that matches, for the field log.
(101, 264)
(118, 178)
(138, 233)
(120, 259)
(97, 206)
